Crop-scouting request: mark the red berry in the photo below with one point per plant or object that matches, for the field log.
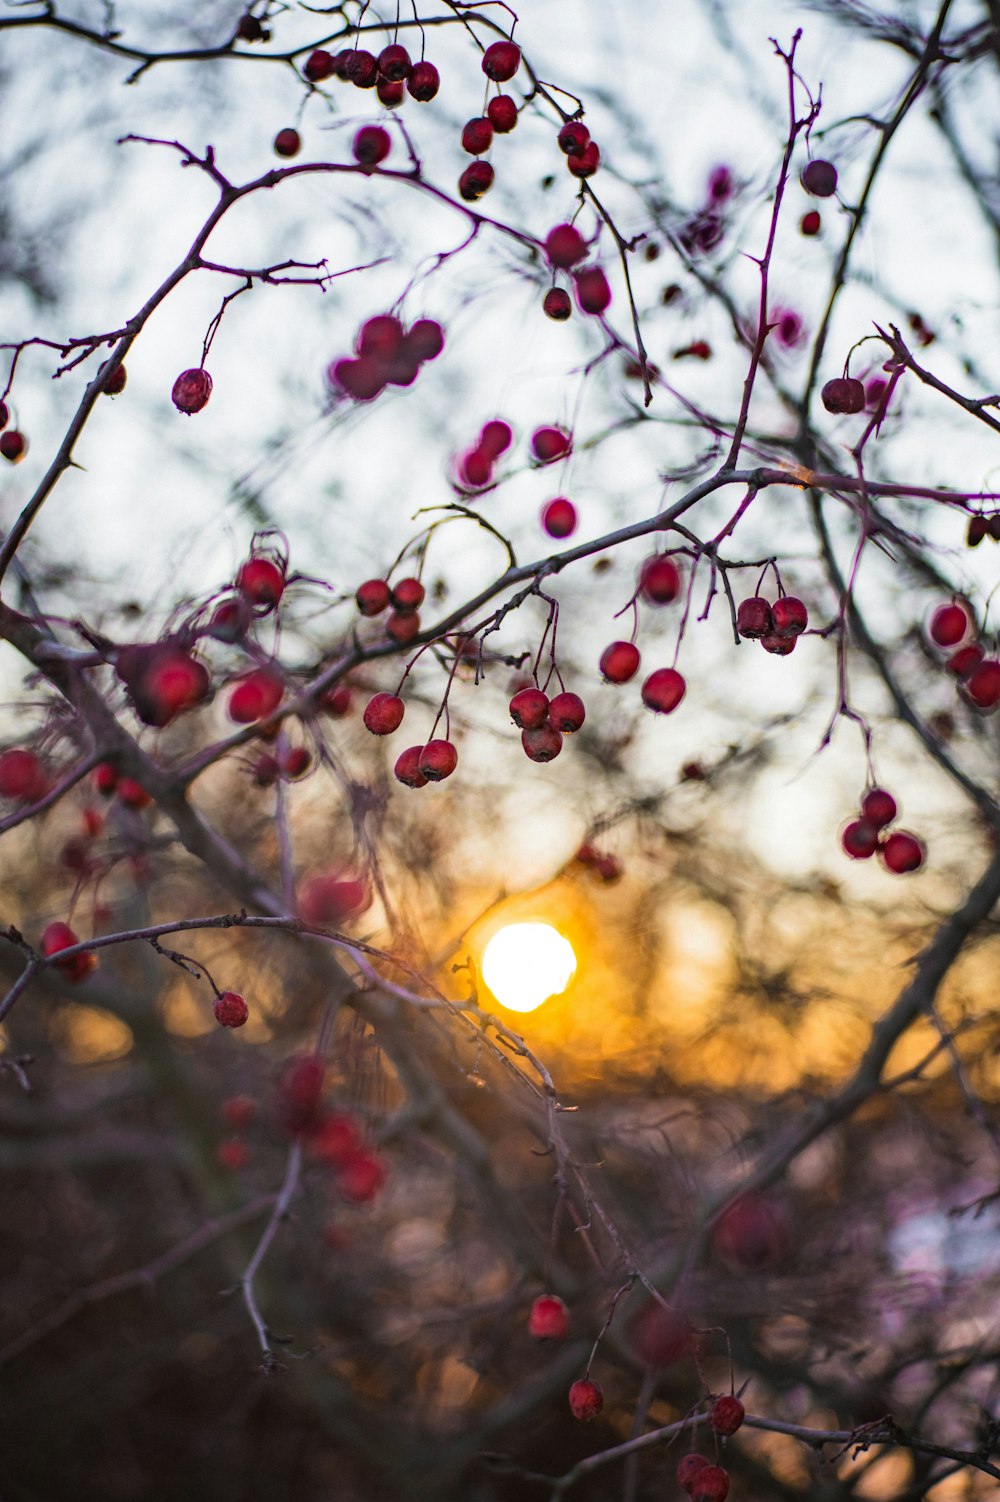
(593, 291)
(586, 162)
(779, 646)
(192, 390)
(663, 690)
(496, 437)
(501, 61)
(476, 180)
(529, 708)
(660, 1335)
(371, 146)
(239, 1112)
(230, 1009)
(549, 1318)
(423, 82)
(266, 771)
(4, 414)
(384, 714)
(115, 384)
(336, 701)
(753, 618)
(438, 760)
(407, 768)
(133, 794)
(295, 762)
(229, 621)
(978, 529)
(233, 1154)
(59, 936)
(361, 68)
(878, 807)
(426, 339)
(360, 1177)
(726, 1415)
(720, 184)
(318, 65)
(13, 445)
(380, 337)
(170, 682)
(789, 616)
(901, 853)
(336, 1139)
(394, 62)
(475, 469)
(390, 92)
(559, 517)
(983, 685)
(711, 1484)
(502, 114)
(21, 775)
(477, 136)
(105, 779)
(573, 137)
(567, 712)
(402, 625)
(820, 178)
(688, 1469)
(408, 594)
(949, 624)
(556, 304)
(659, 580)
(542, 743)
(261, 581)
(965, 661)
(565, 246)
(300, 1093)
(620, 661)
(287, 142)
(586, 1399)
(843, 394)
(810, 223)
(255, 696)
(373, 596)
(749, 1234)
(548, 444)
(362, 379)
(327, 899)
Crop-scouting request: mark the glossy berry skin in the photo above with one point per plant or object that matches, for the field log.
(820, 178)
(753, 618)
(13, 445)
(548, 1318)
(878, 807)
(549, 444)
(21, 775)
(287, 142)
(408, 594)
(501, 61)
(402, 625)
(476, 180)
(559, 517)
(789, 616)
(688, 1469)
(949, 624)
(59, 936)
(384, 714)
(901, 853)
(257, 696)
(573, 138)
(964, 662)
(567, 713)
(586, 1399)
(394, 62)
(565, 246)
(663, 690)
(726, 1415)
(230, 1009)
(620, 661)
(318, 65)
(983, 685)
(438, 760)
(586, 162)
(407, 768)
(659, 580)
(529, 708)
(556, 304)
(543, 743)
(423, 82)
(192, 390)
(371, 146)
(373, 596)
(593, 290)
(810, 224)
(261, 581)
(477, 136)
(502, 114)
(711, 1484)
(843, 395)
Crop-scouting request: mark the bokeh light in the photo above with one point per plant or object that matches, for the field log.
(526, 963)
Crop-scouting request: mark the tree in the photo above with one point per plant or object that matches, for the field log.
(461, 388)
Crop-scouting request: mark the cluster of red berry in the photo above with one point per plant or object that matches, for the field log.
(386, 355)
(405, 598)
(565, 248)
(776, 626)
(333, 1137)
(978, 675)
(899, 852)
(474, 468)
(13, 444)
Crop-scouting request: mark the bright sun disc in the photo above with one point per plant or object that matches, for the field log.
(526, 963)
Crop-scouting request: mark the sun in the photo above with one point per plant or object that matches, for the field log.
(526, 963)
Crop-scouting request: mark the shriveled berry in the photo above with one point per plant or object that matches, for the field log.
(620, 661)
(542, 743)
(287, 142)
(529, 708)
(820, 178)
(501, 61)
(371, 146)
(438, 760)
(373, 596)
(711, 1484)
(407, 768)
(586, 162)
(753, 617)
(261, 581)
(789, 616)
(726, 1415)
(573, 137)
(402, 625)
(663, 690)
(559, 517)
(408, 594)
(878, 807)
(230, 1009)
(549, 444)
(556, 304)
(843, 394)
(423, 82)
(250, 29)
(266, 770)
(983, 685)
(567, 712)
(476, 180)
(902, 852)
(477, 136)
(659, 580)
(394, 62)
(59, 936)
(688, 1469)
(565, 246)
(384, 713)
(502, 114)
(548, 1318)
(192, 390)
(586, 1399)
(593, 290)
(949, 624)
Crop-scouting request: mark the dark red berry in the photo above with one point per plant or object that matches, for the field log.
(133, 794)
(192, 390)
(105, 779)
(336, 701)
(949, 624)
(423, 82)
(408, 594)
(261, 581)
(659, 580)
(328, 898)
(542, 743)
(688, 1469)
(559, 517)
(360, 1178)
(496, 438)
(438, 760)
(250, 29)
(663, 690)
(300, 1094)
(475, 469)
(362, 379)
(965, 661)
(391, 92)
(820, 178)
(384, 713)
(239, 1112)
(753, 618)
(710, 1484)
(379, 338)
(295, 762)
(901, 853)
(567, 712)
(373, 596)
(549, 1318)
(556, 304)
(371, 146)
(593, 290)
(361, 69)
(394, 62)
(993, 526)
(229, 620)
(983, 686)
(13, 445)
(426, 339)
(255, 697)
(59, 936)
(21, 776)
(843, 394)
(402, 625)
(4, 414)
(878, 807)
(230, 1009)
(266, 771)
(586, 1399)
(789, 616)
(407, 768)
(549, 444)
(115, 384)
(501, 61)
(586, 162)
(287, 142)
(778, 646)
(660, 1335)
(720, 185)
(565, 246)
(859, 839)
(726, 1415)
(502, 114)
(233, 1154)
(573, 137)
(476, 180)
(318, 65)
(477, 136)
(529, 708)
(620, 661)
(810, 223)
(978, 529)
